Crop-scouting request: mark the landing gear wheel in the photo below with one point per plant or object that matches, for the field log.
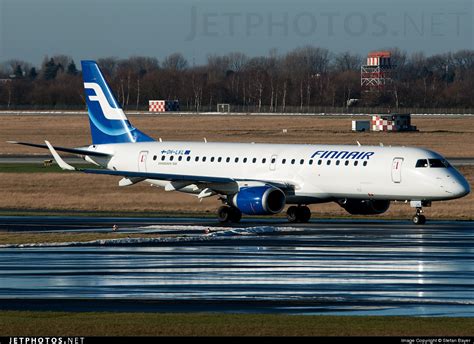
(236, 215)
(419, 219)
(298, 214)
(305, 214)
(226, 214)
(292, 214)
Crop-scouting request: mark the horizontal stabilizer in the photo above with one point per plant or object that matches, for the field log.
(77, 151)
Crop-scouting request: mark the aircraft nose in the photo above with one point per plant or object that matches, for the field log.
(459, 186)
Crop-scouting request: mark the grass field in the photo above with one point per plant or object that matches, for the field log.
(24, 192)
(59, 192)
(192, 324)
(451, 137)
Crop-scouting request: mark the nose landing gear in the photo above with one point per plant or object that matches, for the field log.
(419, 218)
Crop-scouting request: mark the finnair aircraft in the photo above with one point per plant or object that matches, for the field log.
(260, 179)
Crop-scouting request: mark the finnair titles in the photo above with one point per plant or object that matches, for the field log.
(260, 179)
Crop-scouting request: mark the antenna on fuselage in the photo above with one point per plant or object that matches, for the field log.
(160, 139)
(205, 140)
(358, 143)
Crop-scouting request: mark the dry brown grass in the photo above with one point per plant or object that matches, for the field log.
(451, 137)
(75, 191)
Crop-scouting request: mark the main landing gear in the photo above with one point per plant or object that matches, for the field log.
(300, 214)
(419, 218)
(228, 214)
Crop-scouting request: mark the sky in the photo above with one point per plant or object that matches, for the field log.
(91, 29)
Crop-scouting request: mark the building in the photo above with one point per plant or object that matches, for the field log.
(393, 122)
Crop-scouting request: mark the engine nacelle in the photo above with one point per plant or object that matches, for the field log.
(365, 206)
(259, 200)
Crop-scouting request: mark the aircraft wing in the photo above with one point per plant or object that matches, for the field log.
(160, 176)
(78, 151)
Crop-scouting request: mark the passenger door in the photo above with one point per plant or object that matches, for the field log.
(397, 170)
(142, 161)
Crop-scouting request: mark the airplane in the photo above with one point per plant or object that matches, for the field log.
(260, 179)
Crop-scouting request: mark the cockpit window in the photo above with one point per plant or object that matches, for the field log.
(435, 163)
(432, 163)
(422, 163)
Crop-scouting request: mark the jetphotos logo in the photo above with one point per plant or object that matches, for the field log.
(109, 112)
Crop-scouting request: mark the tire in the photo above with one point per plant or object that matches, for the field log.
(224, 214)
(304, 214)
(292, 214)
(235, 215)
(419, 219)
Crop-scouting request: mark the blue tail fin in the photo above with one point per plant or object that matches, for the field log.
(108, 121)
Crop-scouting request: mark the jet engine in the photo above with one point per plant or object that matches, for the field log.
(365, 206)
(259, 200)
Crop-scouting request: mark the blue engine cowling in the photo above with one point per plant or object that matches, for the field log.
(259, 200)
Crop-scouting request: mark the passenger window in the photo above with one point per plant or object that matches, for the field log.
(320, 162)
(310, 161)
(365, 163)
(337, 162)
(346, 163)
(212, 159)
(163, 158)
(188, 158)
(293, 161)
(196, 159)
(421, 163)
(264, 160)
(301, 161)
(180, 158)
(236, 160)
(283, 161)
(356, 163)
(245, 160)
(227, 159)
(203, 159)
(171, 157)
(220, 159)
(329, 162)
(254, 160)
(273, 160)
(154, 157)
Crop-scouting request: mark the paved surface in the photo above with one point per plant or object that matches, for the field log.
(324, 267)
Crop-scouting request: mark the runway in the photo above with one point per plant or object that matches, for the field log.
(339, 267)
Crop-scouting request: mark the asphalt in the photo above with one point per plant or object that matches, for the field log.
(343, 267)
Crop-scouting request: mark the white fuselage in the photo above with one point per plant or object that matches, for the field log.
(316, 173)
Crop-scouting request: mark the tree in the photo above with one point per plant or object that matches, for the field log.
(71, 68)
(175, 62)
(49, 69)
(18, 72)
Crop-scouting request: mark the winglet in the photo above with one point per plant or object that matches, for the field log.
(59, 160)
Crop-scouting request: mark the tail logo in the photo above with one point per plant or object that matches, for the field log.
(109, 112)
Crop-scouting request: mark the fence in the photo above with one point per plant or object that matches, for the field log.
(263, 109)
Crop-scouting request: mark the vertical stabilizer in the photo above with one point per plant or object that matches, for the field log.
(107, 120)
